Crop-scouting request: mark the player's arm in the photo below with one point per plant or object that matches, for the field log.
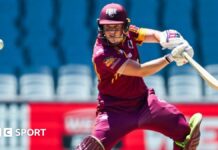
(133, 68)
(168, 39)
(149, 35)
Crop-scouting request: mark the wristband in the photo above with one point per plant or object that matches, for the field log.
(169, 58)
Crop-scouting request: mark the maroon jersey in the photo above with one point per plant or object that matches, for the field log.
(108, 59)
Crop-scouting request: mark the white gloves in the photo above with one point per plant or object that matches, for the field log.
(173, 40)
(177, 53)
(169, 39)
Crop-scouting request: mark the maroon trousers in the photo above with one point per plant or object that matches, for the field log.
(114, 122)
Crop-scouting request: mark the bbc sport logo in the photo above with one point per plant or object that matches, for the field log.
(10, 132)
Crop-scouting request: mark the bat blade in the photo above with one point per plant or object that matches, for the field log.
(212, 82)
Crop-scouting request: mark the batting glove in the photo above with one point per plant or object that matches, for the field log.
(169, 39)
(177, 53)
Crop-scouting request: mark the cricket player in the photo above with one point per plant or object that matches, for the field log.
(125, 103)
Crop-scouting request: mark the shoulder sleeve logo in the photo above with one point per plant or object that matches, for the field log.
(109, 61)
(133, 29)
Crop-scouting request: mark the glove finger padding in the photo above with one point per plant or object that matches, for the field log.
(184, 47)
(180, 61)
(169, 39)
(177, 53)
(189, 50)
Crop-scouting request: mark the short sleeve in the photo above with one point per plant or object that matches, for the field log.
(137, 33)
(109, 62)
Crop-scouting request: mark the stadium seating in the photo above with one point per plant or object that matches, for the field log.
(95, 88)
(15, 54)
(184, 84)
(35, 18)
(37, 36)
(5, 69)
(207, 12)
(9, 9)
(74, 83)
(208, 30)
(211, 94)
(178, 15)
(24, 112)
(145, 14)
(8, 83)
(209, 52)
(8, 87)
(75, 34)
(157, 82)
(182, 18)
(37, 84)
(9, 33)
(3, 116)
(67, 31)
(39, 33)
(14, 116)
(44, 56)
(149, 51)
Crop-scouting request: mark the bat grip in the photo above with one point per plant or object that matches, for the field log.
(186, 56)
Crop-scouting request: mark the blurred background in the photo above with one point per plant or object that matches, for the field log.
(47, 78)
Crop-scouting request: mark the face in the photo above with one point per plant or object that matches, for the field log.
(113, 33)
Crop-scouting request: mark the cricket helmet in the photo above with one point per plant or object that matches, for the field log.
(112, 14)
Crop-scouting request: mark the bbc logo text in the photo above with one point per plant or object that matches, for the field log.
(10, 132)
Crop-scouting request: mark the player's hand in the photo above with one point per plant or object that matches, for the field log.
(169, 39)
(177, 53)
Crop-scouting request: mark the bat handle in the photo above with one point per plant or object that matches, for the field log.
(187, 57)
